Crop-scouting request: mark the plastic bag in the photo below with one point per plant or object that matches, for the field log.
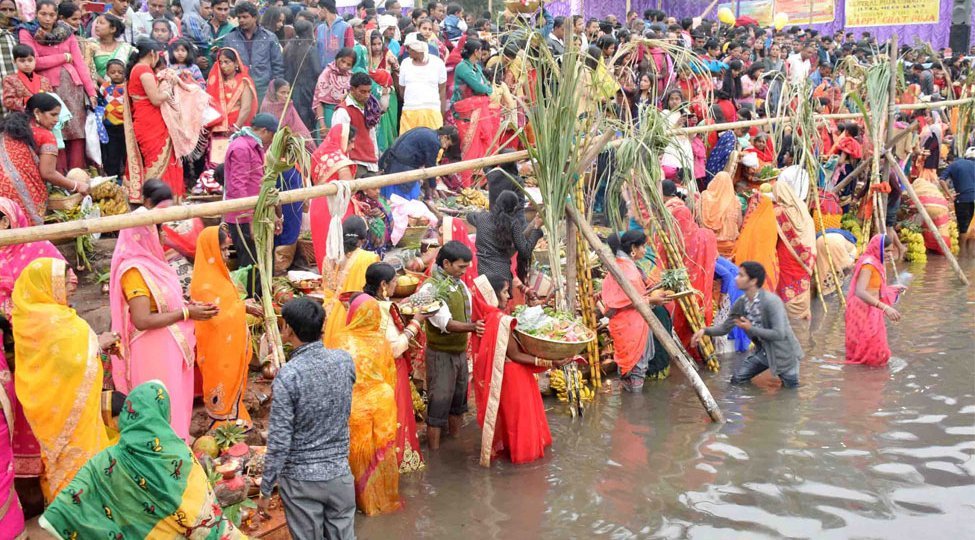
(93, 145)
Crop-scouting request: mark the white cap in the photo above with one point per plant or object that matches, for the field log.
(970, 152)
(414, 42)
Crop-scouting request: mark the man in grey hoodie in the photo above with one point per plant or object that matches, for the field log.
(762, 316)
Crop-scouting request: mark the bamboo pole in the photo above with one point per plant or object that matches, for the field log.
(863, 164)
(926, 218)
(683, 363)
(706, 10)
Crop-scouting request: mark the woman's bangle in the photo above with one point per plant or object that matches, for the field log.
(74, 186)
(186, 313)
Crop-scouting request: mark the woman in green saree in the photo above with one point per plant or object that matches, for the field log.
(147, 486)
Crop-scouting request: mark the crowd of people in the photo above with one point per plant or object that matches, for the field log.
(186, 98)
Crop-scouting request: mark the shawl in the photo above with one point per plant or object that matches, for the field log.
(183, 113)
(796, 214)
(141, 248)
(215, 87)
(720, 210)
(147, 486)
(287, 116)
(57, 35)
(332, 86)
(61, 400)
(13, 259)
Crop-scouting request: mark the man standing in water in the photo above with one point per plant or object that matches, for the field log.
(762, 316)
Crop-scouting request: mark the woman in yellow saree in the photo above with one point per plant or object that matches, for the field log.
(348, 275)
(59, 373)
(372, 424)
(223, 345)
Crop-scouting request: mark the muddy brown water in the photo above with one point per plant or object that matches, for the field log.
(853, 453)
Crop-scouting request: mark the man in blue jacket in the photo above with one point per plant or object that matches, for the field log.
(258, 48)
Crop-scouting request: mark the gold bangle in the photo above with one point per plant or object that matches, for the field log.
(186, 313)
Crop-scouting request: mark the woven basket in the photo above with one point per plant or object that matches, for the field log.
(64, 204)
(412, 237)
(550, 349)
(307, 249)
(522, 6)
(402, 291)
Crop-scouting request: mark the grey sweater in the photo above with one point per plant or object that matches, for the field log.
(773, 333)
(308, 437)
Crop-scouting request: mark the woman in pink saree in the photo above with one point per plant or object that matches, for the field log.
(870, 299)
(153, 322)
(330, 162)
(13, 260)
(11, 513)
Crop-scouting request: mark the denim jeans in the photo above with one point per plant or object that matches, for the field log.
(756, 363)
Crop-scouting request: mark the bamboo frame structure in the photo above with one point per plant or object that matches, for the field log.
(664, 337)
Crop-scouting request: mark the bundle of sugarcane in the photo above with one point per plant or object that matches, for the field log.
(286, 151)
(570, 388)
(587, 296)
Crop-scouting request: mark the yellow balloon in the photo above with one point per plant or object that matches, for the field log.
(726, 16)
(780, 20)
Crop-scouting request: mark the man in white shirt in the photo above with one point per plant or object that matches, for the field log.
(799, 65)
(423, 78)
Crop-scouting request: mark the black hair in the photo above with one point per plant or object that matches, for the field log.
(558, 22)
(156, 191)
(278, 83)
(471, 46)
(218, 2)
(631, 239)
(606, 41)
(117, 24)
(306, 317)
(389, 4)
(43, 102)
(67, 9)
(16, 125)
(328, 5)
(190, 51)
(711, 43)
(454, 8)
(454, 135)
(245, 7)
(754, 271)
(497, 283)
(222, 234)
(668, 188)
(345, 52)
(271, 16)
(360, 79)
(42, 3)
(453, 251)
(853, 130)
(23, 51)
(353, 230)
(377, 274)
(504, 212)
(143, 46)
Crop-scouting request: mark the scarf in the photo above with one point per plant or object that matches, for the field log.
(57, 35)
(455, 285)
(247, 131)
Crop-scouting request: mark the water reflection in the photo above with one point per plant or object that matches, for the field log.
(854, 452)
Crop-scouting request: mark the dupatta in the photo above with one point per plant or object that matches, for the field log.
(227, 96)
(59, 374)
(147, 486)
(286, 114)
(223, 345)
(326, 162)
(720, 210)
(13, 259)
(140, 248)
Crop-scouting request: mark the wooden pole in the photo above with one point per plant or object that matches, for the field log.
(683, 363)
(706, 10)
(925, 217)
(863, 164)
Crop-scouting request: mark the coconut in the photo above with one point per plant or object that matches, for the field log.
(206, 445)
(78, 175)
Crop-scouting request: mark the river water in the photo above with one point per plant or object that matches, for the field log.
(853, 453)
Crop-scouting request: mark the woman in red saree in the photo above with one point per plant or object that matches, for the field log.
(233, 92)
(149, 148)
(476, 117)
(509, 406)
(796, 251)
(330, 162)
(870, 299)
(408, 343)
(372, 422)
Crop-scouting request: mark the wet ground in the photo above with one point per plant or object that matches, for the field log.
(853, 453)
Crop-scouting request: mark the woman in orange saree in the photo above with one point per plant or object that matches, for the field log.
(58, 377)
(509, 406)
(330, 162)
(870, 299)
(721, 212)
(758, 238)
(795, 250)
(223, 344)
(232, 91)
(372, 422)
(407, 342)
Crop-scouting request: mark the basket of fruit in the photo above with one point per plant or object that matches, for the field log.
(424, 302)
(547, 334)
(305, 282)
(63, 202)
(405, 285)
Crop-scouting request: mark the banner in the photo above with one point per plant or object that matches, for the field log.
(823, 11)
(760, 10)
(891, 12)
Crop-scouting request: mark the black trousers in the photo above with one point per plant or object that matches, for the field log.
(240, 235)
(964, 212)
(113, 152)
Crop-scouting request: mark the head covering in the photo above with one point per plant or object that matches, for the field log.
(265, 121)
(796, 213)
(148, 484)
(287, 115)
(798, 180)
(50, 392)
(13, 259)
(414, 43)
(720, 210)
(140, 248)
(389, 21)
(970, 152)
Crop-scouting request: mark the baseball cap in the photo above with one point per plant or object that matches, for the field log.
(265, 121)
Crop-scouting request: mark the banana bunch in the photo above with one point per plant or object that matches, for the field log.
(914, 241)
(953, 237)
(110, 198)
(472, 197)
(850, 223)
(558, 383)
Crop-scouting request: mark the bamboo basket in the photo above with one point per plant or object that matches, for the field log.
(65, 204)
(550, 349)
(307, 250)
(412, 237)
